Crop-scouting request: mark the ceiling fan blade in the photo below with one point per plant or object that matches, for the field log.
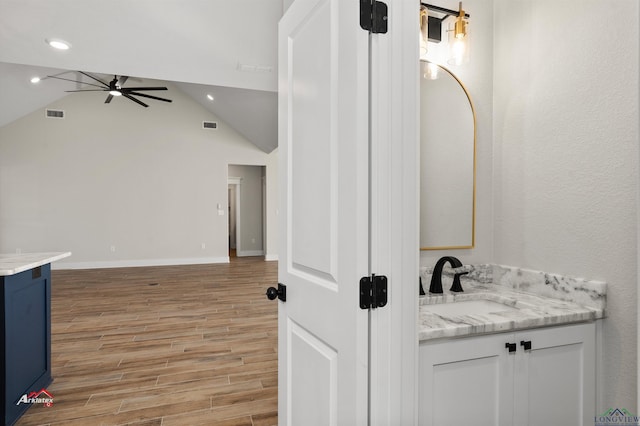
(135, 100)
(73, 81)
(96, 79)
(143, 88)
(108, 98)
(149, 96)
(87, 90)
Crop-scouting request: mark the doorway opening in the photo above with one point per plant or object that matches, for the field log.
(247, 220)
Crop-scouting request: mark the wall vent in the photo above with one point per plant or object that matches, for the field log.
(209, 125)
(54, 113)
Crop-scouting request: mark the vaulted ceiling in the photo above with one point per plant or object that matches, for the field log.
(227, 48)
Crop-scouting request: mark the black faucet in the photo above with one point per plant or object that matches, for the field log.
(436, 277)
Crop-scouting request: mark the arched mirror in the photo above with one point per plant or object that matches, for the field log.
(447, 159)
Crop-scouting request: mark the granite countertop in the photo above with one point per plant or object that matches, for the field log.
(11, 264)
(538, 299)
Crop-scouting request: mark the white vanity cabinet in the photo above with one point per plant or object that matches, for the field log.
(478, 381)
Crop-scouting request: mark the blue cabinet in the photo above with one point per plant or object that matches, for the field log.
(25, 338)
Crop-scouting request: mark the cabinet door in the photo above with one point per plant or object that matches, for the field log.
(466, 382)
(26, 321)
(555, 379)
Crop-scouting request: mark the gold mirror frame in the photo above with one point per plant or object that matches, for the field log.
(473, 203)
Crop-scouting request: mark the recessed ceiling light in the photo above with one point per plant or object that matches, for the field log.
(210, 97)
(58, 44)
(35, 80)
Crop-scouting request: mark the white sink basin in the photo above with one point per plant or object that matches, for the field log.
(468, 307)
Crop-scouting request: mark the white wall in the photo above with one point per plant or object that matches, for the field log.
(477, 78)
(566, 156)
(146, 181)
(272, 206)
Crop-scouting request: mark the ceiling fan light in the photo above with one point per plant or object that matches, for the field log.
(115, 93)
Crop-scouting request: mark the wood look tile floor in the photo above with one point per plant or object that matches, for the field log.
(169, 345)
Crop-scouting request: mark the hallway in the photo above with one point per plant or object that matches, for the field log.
(168, 345)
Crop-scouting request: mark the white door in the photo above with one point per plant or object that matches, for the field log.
(324, 250)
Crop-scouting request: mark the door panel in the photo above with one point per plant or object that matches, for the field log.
(320, 380)
(323, 148)
(313, 200)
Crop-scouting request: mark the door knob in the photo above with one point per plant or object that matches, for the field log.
(280, 292)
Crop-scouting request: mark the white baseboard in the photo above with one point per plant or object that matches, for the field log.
(134, 263)
(271, 257)
(244, 253)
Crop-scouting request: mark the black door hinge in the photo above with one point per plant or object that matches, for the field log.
(373, 16)
(373, 292)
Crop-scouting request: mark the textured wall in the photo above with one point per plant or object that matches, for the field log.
(146, 181)
(566, 156)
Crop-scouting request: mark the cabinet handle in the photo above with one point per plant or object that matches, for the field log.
(511, 346)
(526, 345)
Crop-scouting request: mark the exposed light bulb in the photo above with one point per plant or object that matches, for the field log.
(457, 52)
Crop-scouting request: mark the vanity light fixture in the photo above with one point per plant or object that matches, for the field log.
(460, 30)
(458, 33)
(458, 44)
(58, 44)
(424, 29)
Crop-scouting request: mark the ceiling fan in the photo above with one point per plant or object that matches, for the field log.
(114, 87)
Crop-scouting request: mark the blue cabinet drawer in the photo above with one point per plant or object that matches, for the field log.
(25, 338)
